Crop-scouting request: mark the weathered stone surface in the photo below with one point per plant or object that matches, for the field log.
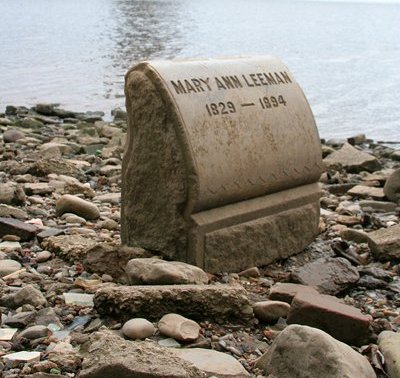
(20, 319)
(23, 356)
(45, 167)
(389, 345)
(149, 271)
(305, 352)
(27, 295)
(193, 301)
(285, 292)
(378, 205)
(210, 192)
(78, 299)
(34, 332)
(10, 211)
(138, 328)
(385, 243)
(362, 191)
(343, 322)
(111, 259)
(72, 204)
(110, 356)
(356, 236)
(11, 194)
(10, 226)
(352, 160)
(328, 275)
(213, 363)
(271, 311)
(8, 267)
(178, 327)
(12, 135)
(69, 247)
(392, 187)
(49, 232)
(41, 188)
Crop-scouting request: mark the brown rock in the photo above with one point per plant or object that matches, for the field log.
(392, 187)
(179, 327)
(285, 292)
(10, 226)
(138, 328)
(72, 204)
(362, 191)
(343, 322)
(271, 311)
(385, 243)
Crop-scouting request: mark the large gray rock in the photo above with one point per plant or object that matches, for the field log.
(389, 345)
(213, 363)
(352, 160)
(194, 301)
(305, 352)
(385, 243)
(110, 356)
(392, 186)
(328, 275)
(27, 295)
(160, 272)
(10, 226)
(73, 204)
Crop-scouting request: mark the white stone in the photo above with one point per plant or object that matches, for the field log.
(6, 334)
(8, 266)
(9, 245)
(79, 299)
(23, 356)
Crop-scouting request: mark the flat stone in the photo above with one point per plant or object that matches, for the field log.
(285, 292)
(343, 322)
(6, 334)
(23, 356)
(138, 328)
(392, 187)
(27, 295)
(69, 247)
(271, 311)
(78, 299)
(9, 246)
(361, 191)
(39, 188)
(327, 275)
(49, 232)
(72, 204)
(159, 272)
(113, 198)
(385, 243)
(356, 236)
(111, 356)
(352, 160)
(20, 319)
(7, 211)
(305, 352)
(389, 345)
(382, 206)
(34, 332)
(250, 272)
(213, 363)
(193, 301)
(8, 267)
(10, 226)
(169, 343)
(178, 327)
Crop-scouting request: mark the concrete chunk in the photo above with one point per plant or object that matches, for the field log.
(193, 301)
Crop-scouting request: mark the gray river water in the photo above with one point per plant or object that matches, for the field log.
(346, 56)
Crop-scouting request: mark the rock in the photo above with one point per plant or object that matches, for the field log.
(26, 295)
(53, 149)
(328, 275)
(48, 233)
(72, 204)
(40, 188)
(356, 236)
(73, 219)
(213, 363)
(271, 311)
(113, 198)
(285, 292)
(47, 316)
(13, 212)
(78, 299)
(385, 243)
(385, 207)
(111, 356)
(110, 259)
(6, 334)
(362, 191)
(150, 271)
(352, 160)
(9, 246)
(389, 345)
(138, 328)
(34, 332)
(20, 319)
(343, 322)
(357, 139)
(305, 352)
(43, 256)
(30, 123)
(8, 267)
(11, 194)
(12, 135)
(44, 167)
(251, 272)
(10, 226)
(193, 301)
(178, 327)
(169, 343)
(108, 224)
(392, 186)
(70, 247)
(23, 356)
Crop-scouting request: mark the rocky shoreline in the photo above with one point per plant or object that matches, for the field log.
(74, 302)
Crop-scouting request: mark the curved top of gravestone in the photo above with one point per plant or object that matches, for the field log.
(247, 127)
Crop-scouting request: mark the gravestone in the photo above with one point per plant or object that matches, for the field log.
(221, 163)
